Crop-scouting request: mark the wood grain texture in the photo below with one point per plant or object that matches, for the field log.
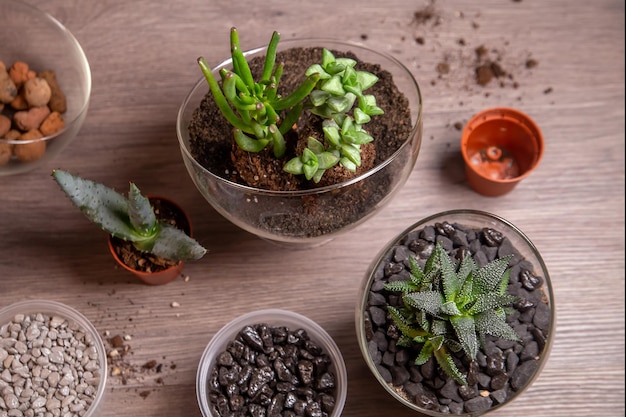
(143, 61)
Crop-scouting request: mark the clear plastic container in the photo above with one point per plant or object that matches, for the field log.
(56, 309)
(274, 318)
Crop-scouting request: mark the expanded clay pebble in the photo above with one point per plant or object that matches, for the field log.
(272, 371)
(48, 367)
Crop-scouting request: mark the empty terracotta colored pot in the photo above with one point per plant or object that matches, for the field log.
(500, 147)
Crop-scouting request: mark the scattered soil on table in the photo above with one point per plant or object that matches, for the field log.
(121, 367)
(482, 67)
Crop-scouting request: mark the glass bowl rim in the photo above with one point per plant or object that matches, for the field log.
(285, 44)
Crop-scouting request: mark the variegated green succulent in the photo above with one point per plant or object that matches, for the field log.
(330, 90)
(132, 219)
(449, 307)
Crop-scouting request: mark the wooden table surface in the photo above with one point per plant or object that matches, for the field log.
(143, 60)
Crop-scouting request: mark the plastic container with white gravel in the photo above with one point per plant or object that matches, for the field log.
(52, 359)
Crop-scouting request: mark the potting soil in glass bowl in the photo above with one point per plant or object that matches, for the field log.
(271, 362)
(503, 369)
(307, 216)
(52, 361)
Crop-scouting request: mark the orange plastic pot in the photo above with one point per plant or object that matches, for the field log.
(501, 146)
(163, 276)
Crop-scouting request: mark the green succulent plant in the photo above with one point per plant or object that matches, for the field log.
(131, 219)
(449, 307)
(332, 89)
(252, 107)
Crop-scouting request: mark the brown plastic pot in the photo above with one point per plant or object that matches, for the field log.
(162, 276)
(501, 146)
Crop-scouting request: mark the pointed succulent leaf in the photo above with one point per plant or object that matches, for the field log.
(367, 103)
(417, 275)
(490, 301)
(349, 78)
(504, 282)
(450, 280)
(444, 359)
(294, 166)
(270, 57)
(404, 341)
(341, 104)
(140, 211)
(438, 327)
(333, 86)
(465, 330)
(366, 79)
(425, 353)
(361, 117)
(488, 277)
(490, 322)
(429, 301)
(314, 145)
(310, 170)
(319, 97)
(403, 325)
(327, 160)
(403, 286)
(317, 69)
(100, 204)
(465, 268)
(278, 142)
(352, 153)
(173, 243)
(327, 58)
(345, 62)
(348, 164)
(465, 295)
(449, 308)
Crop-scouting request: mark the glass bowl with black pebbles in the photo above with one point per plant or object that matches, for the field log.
(271, 362)
(503, 369)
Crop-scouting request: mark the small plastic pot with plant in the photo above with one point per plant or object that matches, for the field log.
(153, 232)
(301, 140)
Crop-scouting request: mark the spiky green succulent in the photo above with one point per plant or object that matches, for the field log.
(131, 219)
(449, 307)
(330, 90)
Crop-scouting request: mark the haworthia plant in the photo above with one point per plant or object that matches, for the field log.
(131, 219)
(450, 307)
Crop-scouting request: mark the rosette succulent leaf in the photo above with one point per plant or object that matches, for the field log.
(450, 306)
(131, 219)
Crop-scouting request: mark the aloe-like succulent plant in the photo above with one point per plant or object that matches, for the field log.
(261, 117)
(131, 219)
(449, 307)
